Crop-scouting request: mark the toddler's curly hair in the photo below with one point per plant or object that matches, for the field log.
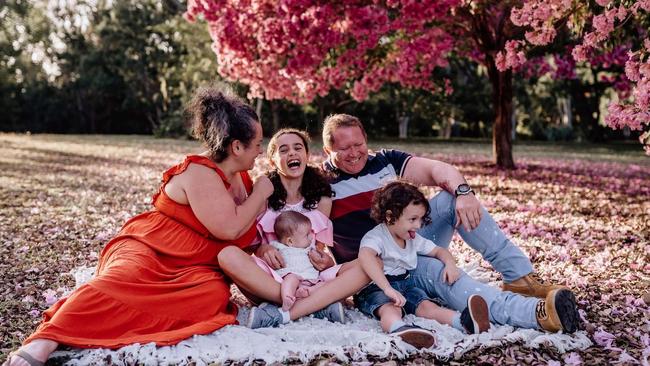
(394, 197)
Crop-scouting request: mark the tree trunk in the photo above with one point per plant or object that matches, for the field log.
(502, 128)
(565, 109)
(403, 126)
(258, 107)
(320, 102)
(275, 114)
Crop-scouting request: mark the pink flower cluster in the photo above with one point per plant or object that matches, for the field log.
(299, 49)
(634, 115)
(514, 56)
(539, 15)
(565, 67)
(632, 110)
(562, 66)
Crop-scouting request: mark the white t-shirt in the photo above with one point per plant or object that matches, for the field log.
(396, 260)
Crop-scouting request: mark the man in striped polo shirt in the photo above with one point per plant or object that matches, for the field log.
(356, 175)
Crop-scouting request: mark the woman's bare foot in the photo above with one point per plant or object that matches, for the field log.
(38, 349)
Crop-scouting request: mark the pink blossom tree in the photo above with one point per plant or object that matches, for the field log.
(603, 28)
(584, 83)
(298, 49)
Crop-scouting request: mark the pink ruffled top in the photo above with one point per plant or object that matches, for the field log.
(320, 224)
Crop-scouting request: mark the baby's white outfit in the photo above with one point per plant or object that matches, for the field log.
(296, 261)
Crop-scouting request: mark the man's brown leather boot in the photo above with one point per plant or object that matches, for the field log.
(558, 312)
(531, 285)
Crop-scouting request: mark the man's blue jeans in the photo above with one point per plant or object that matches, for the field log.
(488, 239)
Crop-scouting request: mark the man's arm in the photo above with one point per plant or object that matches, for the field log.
(429, 172)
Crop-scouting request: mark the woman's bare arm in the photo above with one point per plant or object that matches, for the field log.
(215, 207)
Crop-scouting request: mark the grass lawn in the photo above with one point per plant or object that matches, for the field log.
(581, 212)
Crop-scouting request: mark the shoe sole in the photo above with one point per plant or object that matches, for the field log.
(567, 311)
(417, 338)
(478, 311)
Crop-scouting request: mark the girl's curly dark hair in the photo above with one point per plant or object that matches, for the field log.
(314, 186)
(314, 182)
(394, 197)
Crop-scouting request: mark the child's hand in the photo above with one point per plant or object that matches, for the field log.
(396, 296)
(451, 273)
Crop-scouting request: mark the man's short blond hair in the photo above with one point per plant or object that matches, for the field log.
(334, 121)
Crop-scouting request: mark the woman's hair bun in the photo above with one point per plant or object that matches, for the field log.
(218, 117)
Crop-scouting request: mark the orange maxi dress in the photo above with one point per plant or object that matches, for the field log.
(157, 281)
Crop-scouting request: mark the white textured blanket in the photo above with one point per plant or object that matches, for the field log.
(306, 339)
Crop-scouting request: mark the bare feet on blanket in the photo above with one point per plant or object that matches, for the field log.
(38, 349)
(287, 302)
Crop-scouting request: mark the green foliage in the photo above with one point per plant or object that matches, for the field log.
(129, 69)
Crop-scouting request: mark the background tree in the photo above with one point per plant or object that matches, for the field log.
(121, 66)
(301, 49)
(24, 31)
(601, 26)
(127, 67)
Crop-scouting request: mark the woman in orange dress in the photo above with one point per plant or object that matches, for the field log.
(163, 277)
(159, 280)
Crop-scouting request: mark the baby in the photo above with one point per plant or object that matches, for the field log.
(295, 240)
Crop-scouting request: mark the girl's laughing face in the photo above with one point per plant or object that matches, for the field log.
(290, 157)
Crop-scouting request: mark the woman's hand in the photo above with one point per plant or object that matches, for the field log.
(320, 259)
(270, 255)
(263, 184)
(396, 296)
(450, 273)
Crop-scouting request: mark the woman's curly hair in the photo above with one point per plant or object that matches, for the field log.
(314, 182)
(218, 117)
(394, 197)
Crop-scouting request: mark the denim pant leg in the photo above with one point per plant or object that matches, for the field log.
(505, 307)
(487, 239)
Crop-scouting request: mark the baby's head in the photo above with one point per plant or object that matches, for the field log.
(293, 229)
(402, 207)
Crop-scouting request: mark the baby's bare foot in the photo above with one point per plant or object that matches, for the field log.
(287, 302)
(302, 292)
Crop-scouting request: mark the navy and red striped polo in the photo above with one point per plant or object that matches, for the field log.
(353, 196)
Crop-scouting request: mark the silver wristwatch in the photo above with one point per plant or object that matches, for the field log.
(463, 190)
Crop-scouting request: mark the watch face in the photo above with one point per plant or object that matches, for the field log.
(462, 188)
